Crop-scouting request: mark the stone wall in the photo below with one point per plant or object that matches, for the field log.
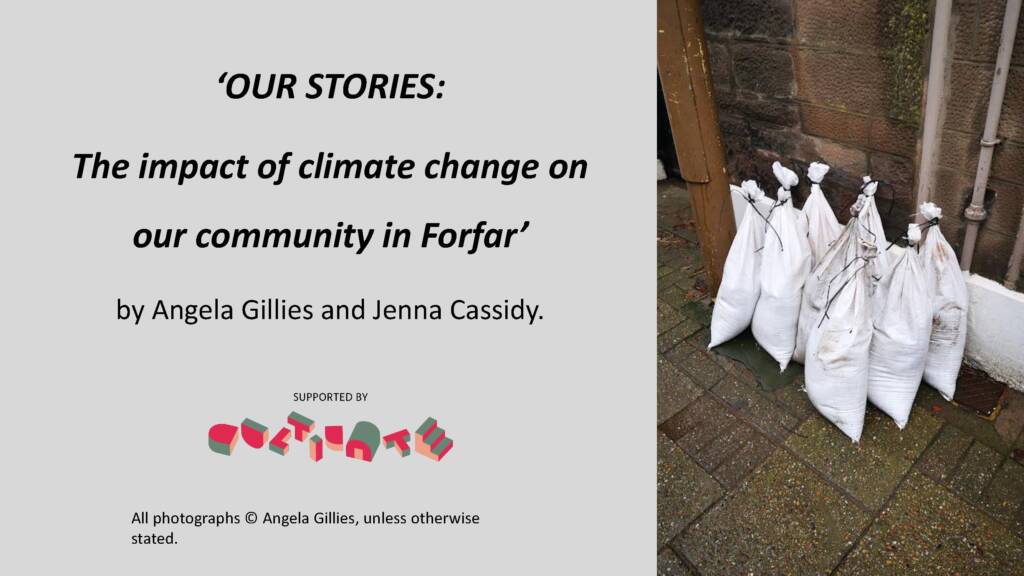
(840, 81)
(977, 29)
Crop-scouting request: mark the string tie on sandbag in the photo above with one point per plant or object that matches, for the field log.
(753, 194)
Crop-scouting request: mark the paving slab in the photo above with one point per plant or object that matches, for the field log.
(975, 472)
(668, 317)
(697, 426)
(698, 364)
(783, 519)
(927, 530)
(684, 490)
(871, 469)
(675, 390)
(670, 565)
(1004, 496)
(678, 335)
(945, 454)
(759, 410)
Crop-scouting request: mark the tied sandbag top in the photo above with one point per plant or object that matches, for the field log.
(930, 211)
(752, 191)
(870, 186)
(816, 172)
(787, 178)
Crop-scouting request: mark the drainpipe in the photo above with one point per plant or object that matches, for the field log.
(934, 100)
(975, 213)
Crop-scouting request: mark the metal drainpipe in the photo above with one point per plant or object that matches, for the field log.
(934, 100)
(976, 213)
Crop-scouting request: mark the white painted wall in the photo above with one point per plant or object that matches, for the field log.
(995, 330)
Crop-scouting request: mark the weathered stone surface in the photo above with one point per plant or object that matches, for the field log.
(971, 83)
(702, 368)
(754, 107)
(675, 390)
(975, 472)
(980, 28)
(1008, 161)
(1005, 211)
(699, 424)
(782, 519)
(847, 25)
(839, 155)
(755, 408)
(668, 317)
(670, 565)
(667, 341)
(721, 66)
(763, 69)
(763, 18)
(926, 530)
(836, 80)
(959, 151)
(684, 490)
(834, 124)
(1005, 494)
(945, 454)
(992, 253)
(872, 469)
(894, 137)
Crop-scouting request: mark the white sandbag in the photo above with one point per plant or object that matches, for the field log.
(822, 226)
(785, 263)
(949, 307)
(873, 221)
(902, 325)
(843, 251)
(741, 277)
(838, 349)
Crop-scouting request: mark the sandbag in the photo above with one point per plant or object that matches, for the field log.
(741, 276)
(838, 348)
(785, 263)
(899, 342)
(815, 292)
(873, 221)
(822, 226)
(949, 307)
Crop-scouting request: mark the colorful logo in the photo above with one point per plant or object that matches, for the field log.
(363, 441)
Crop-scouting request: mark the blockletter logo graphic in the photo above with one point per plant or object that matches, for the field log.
(222, 438)
(254, 433)
(316, 448)
(301, 424)
(280, 442)
(431, 440)
(399, 441)
(363, 442)
(335, 437)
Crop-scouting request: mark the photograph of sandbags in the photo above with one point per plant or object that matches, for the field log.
(840, 305)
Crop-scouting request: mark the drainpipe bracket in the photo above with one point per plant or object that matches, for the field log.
(991, 143)
(975, 213)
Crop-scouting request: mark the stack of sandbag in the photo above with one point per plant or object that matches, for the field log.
(822, 226)
(949, 307)
(902, 325)
(838, 343)
(741, 278)
(785, 263)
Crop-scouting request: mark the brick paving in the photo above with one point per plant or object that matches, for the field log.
(754, 481)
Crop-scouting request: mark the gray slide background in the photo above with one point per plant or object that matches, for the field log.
(550, 421)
